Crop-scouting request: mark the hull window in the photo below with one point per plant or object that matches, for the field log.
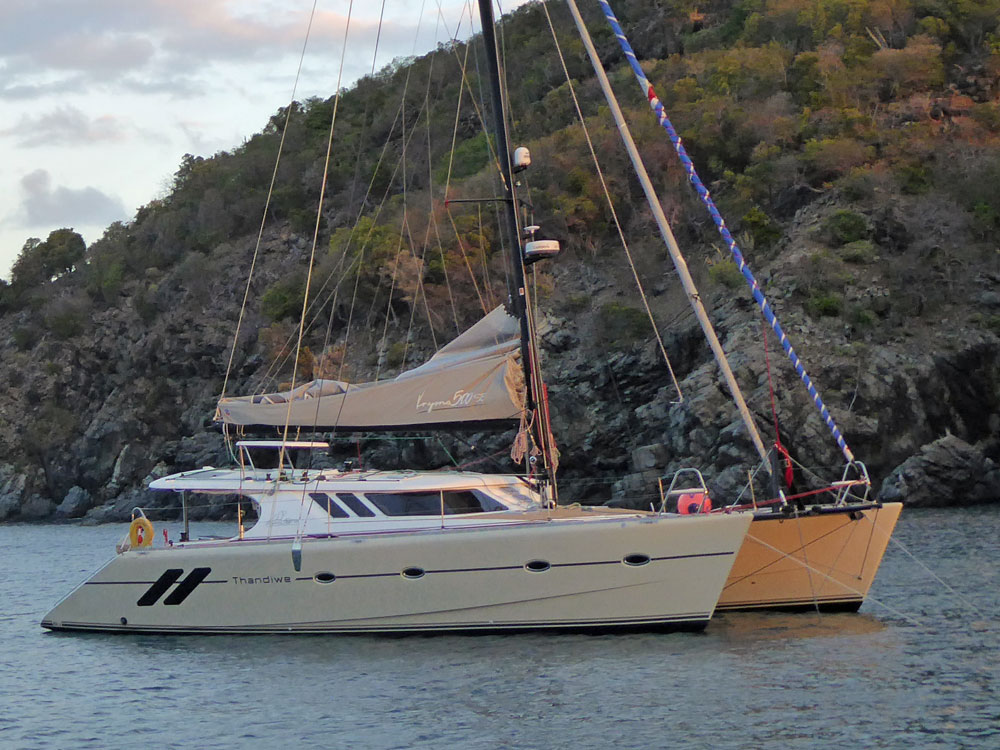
(324, 577)
(452, 502)
(537, 566)
(636, 559)
(413, 573)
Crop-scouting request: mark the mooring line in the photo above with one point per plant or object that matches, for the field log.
(882, 604)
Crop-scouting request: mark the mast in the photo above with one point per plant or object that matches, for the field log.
(516, 287)
(668, 237)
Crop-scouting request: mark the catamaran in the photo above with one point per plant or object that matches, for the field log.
(350, 550)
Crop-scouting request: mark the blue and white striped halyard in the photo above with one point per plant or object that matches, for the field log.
(758, 295)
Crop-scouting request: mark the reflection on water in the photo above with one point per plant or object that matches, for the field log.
(749, 626)
(918, 670)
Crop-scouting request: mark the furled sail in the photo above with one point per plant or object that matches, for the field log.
(475, 378)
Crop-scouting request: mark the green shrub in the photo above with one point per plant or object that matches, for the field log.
(394, 357)
(859, 185)
(914, 179)
(862, 318)
(825, 305)
(726, 273)
(622, 325)
(26, 337)
(283, 299)
(66, 318)
(845, 227)
(762, 228)
(861, 252)
(576, 303)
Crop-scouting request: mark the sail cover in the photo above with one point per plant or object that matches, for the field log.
(476, 378)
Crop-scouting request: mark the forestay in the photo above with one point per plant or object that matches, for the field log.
(475, 378)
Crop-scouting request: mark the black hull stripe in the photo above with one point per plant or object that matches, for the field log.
(491, 569)
(669, 622)
(793, 604)
(136, 583)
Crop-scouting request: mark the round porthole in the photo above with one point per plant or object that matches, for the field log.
(635, 559)
(324, 577)
(413, 573)
(537, 566)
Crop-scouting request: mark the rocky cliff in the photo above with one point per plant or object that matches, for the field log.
(859, 169)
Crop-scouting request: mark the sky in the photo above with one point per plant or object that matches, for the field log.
(100, 99)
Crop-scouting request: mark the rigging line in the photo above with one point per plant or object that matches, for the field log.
(361, 211)
(422, 293)
(936, 577)
(478, 107)
(487, 283)
(364, 117)
(312, 256)
(444, 268)
(431, 212)
(357, 279)
(388, 303)
(276, 366)
(267, 203)
(421, 289)
(419, 292)
(274, 369)
(912, 620)
(447, 184)
(657, 106)
(378, 36)
(667, 235)
(611, 205)
(403, 228)
(465, 257)
(454, 131)
(805, 558)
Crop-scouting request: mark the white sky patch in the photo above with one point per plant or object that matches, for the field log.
(66, 126)
(100, 100)
(44, 204)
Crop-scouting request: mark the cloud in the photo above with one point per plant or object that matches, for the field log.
(166, 43)
(66, 126)
(43, 205)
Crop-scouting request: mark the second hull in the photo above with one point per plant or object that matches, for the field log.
(823, 560)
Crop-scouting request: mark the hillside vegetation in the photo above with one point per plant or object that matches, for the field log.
(853, 145)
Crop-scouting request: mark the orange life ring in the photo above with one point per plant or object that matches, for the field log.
(140, 532)
(693, 502)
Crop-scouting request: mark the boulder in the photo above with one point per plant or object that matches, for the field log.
(947, 472)
(12, 486)
(37, 508)
(76, 503)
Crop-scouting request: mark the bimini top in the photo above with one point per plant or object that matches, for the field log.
(476, 378)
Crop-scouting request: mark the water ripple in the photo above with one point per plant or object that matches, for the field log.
(872, 680)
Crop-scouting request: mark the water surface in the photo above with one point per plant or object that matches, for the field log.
(918, 667)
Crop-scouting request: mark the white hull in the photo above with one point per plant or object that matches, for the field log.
(473, 579)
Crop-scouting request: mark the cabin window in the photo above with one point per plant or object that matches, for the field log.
(328, 504)
(354, 503)
(430, 503)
